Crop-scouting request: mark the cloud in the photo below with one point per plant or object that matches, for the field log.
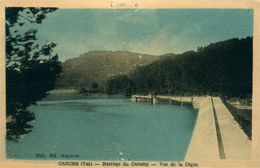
(141, 30)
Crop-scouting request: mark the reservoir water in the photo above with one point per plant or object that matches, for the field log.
(105, 128)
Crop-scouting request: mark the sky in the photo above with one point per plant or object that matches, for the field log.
(148, 31)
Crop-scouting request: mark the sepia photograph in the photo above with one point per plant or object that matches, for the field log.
(128, 86)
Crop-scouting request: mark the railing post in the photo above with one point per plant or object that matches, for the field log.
(155, 100)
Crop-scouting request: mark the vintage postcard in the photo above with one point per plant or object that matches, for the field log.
(135, 83)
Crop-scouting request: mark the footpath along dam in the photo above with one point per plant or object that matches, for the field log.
(216, 134)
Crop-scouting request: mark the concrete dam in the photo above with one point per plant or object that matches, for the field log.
(216, 134)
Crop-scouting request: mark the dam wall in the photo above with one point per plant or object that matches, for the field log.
(203, 144)
(216, 135)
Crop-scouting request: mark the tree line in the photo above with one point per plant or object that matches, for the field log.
(223, 68)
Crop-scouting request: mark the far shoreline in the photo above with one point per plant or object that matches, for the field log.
(62, 90)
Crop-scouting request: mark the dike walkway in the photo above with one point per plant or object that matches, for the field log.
(216, 134)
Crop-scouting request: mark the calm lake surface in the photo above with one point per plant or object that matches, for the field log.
(105, 128)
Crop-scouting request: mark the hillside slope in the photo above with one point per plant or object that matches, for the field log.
(98, 66)
(223, 68)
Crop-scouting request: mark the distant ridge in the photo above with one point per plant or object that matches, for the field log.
(98, 66)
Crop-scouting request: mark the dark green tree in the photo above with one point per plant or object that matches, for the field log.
(31, 67)
(119, 84)
(223, 68)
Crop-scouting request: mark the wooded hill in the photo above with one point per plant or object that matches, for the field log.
(92, 69)
(223, 68)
